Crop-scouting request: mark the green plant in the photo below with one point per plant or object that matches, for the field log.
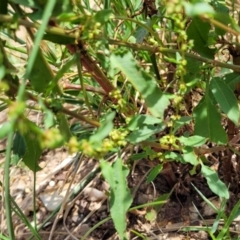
(135, 73)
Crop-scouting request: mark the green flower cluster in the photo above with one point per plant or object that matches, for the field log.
(121, 104)
(117, 138)
(169, 140)
(175, 9)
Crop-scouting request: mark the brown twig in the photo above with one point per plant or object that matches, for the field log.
(62, 109)
(71, 86)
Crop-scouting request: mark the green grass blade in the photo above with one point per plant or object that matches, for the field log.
(21, 215)
(7, 196)
(230, 219)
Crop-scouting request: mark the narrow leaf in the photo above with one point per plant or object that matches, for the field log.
(194, 141)
(139, 121)
(214, 183)
(120, 197)
(104, 129)
(144, 83)
(208, 122)
(229, 221)
(198, 32)
(64, 126)
(198, 8)
(144, 133)
(189, 156)
(18, 148)
(154, 172)
(226, 99)
(231, 79)
(33, 151)
(143, 127)
(41, 74)
(5, 129)
(180, 122)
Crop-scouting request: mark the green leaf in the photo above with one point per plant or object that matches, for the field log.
(193, 141)
(138, 156)
(3, 237)
(198, 8)
(143, 127)
(120, 197)
(102, 16)
(231, 79)
(64, 126)
(2, 72)
(18, 148)
(193, 73)
(60, 73)
(214, 183)
(104, 129)
(33, 151)
(48, 118)
(226, 99)
(59, 38)
(223, 18)
(174, 156)
(189, 156)
(154, 172)
(140, 120)
(208, 122)
(41, 74)
(5, 129)
(36, 55)
(221, 15)
(145, 132)
(198, 32)
(141, 32)
(180, 122)
(144, 83)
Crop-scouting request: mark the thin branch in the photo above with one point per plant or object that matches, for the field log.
(62, 109)
(71, 86)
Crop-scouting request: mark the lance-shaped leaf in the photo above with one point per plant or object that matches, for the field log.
(104, 129)
(18, 148)
(208, 121)
(198, 32)
(33, 151)
(41, 74)
(144, 83)
(226, 99)
(231, 79)
(120, 197)
(214, 183)
(143, 127)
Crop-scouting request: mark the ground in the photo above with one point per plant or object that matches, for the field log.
(76, 177)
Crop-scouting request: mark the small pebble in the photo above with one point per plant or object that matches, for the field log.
(93, 194)
(193, 213)
(52, 183)
(39, 216)
(42, 164)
